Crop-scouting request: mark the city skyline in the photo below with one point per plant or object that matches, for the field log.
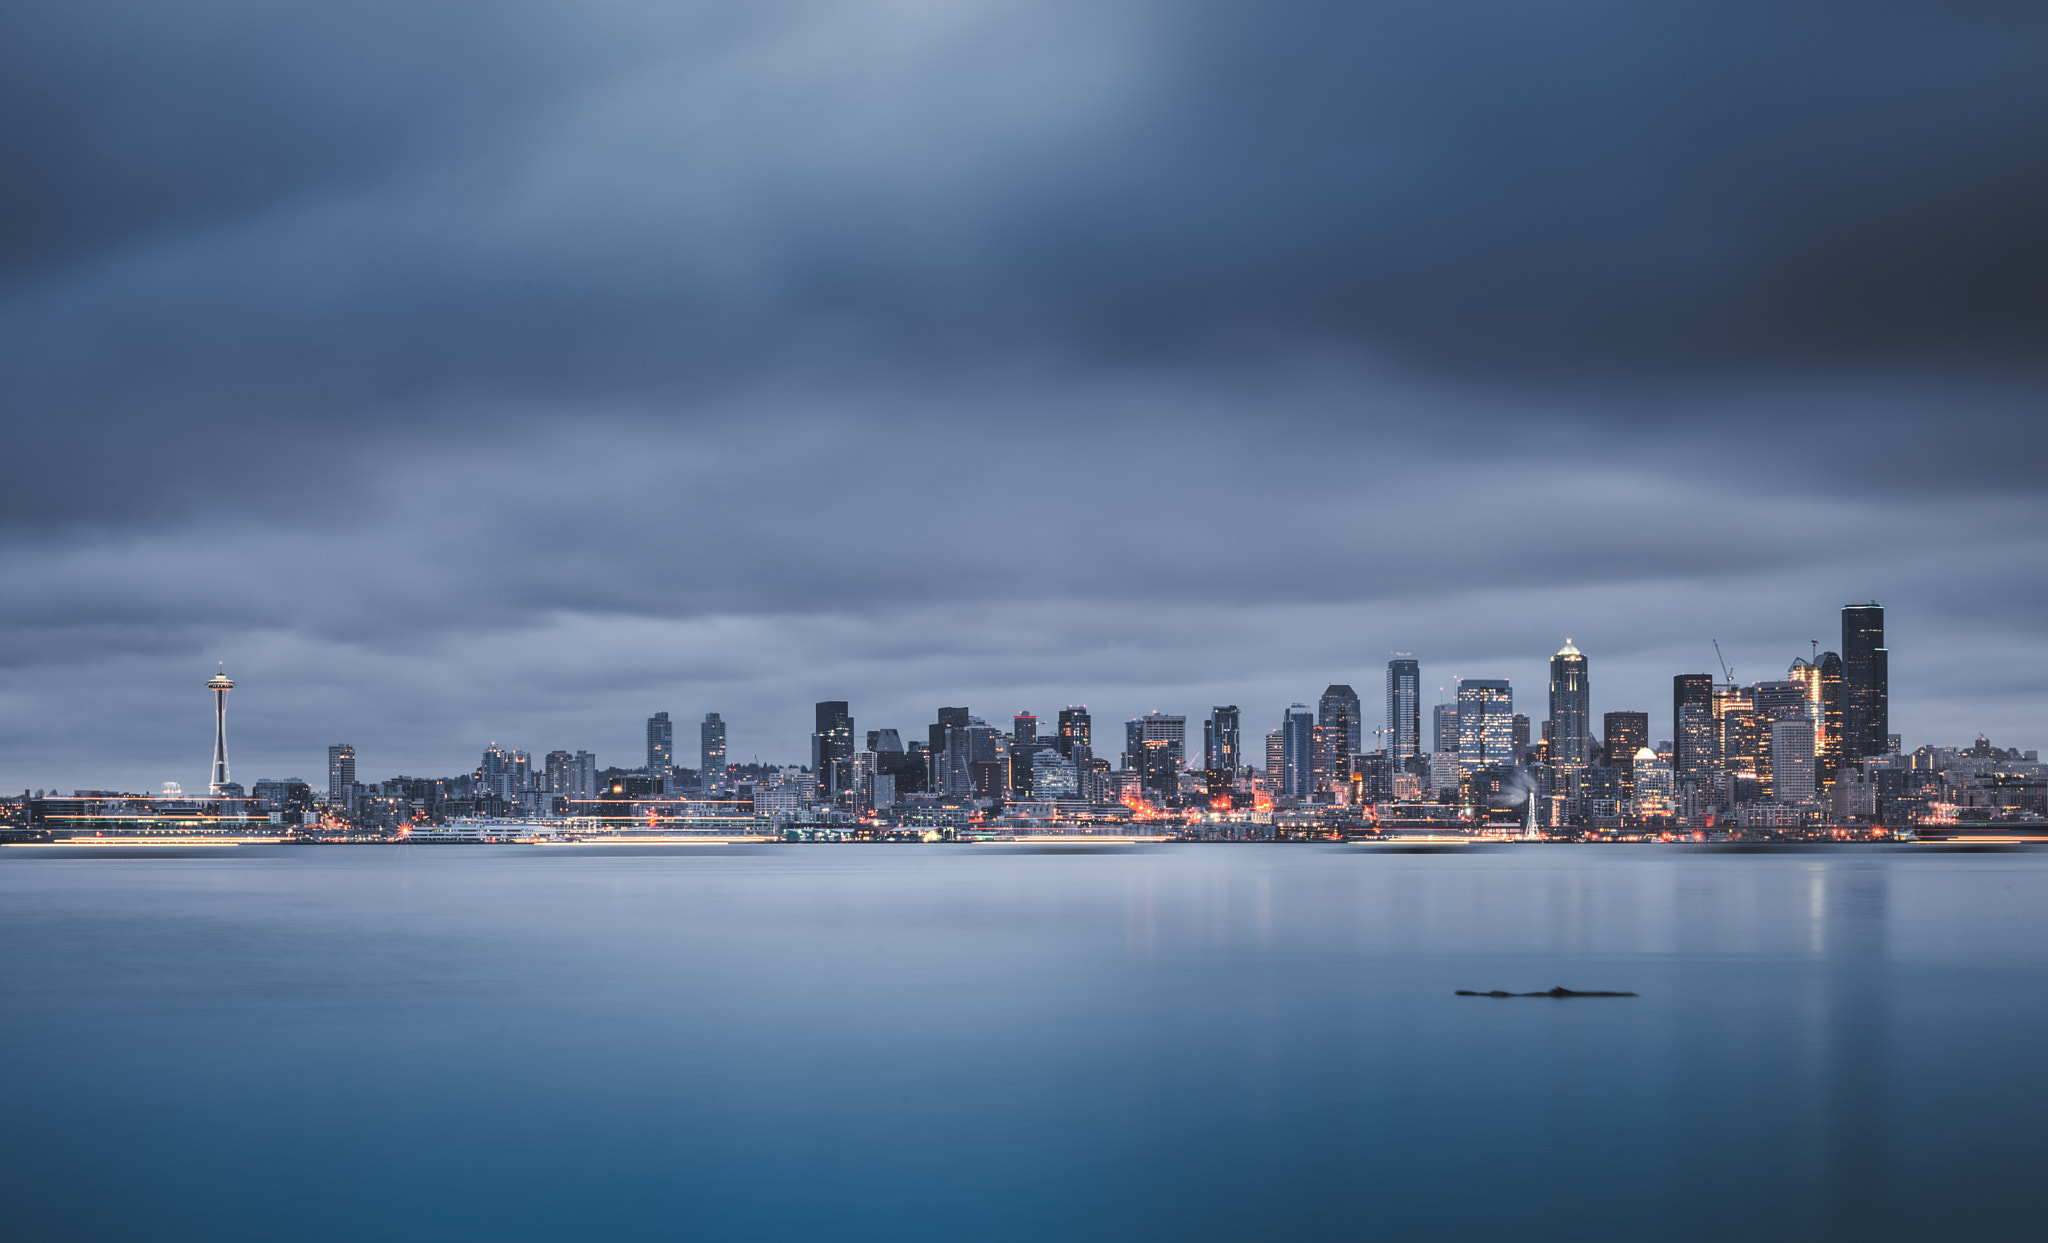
(837, 716)
(428, 397)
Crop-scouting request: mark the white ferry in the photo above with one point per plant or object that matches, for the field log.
(480, 829)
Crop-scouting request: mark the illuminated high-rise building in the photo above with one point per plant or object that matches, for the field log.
(1023, 729)
(1571, 709)
(1276, 761)
(1624, 734)
(944, 776)
(1486, 723)
(661, 746)
(574, 777)
(832, 747)
(1773, 702)
(1155, 725)
(1157, 771)
(1828, 743)
(1444, 718)
(220, 684)
(1865, 677)
(1297, 733)
(1074, 729)
(1221, 751)
(1339, 707)
(1792, 775)
(1404, 710)
(711, 762)
(341, 773)
(1694, 756)
(1736, 741)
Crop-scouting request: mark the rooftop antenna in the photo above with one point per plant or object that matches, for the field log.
(1724, 663)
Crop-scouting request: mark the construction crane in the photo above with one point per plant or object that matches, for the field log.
(1730, 673)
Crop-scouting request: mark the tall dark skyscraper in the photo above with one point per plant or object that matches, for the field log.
(1828, 752)
(661, 745)
(936, 736)
(1404, 710)
(711, 752)
(1339, 707)
(1866, 716)
(1571, 709)
(1074, 730)
(1341, 735)
(1690, 688)
(1297, 741)
(1222, 751)
(1625, 733)
(831, 746)
(1024, 729)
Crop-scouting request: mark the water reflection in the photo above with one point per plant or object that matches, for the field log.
(1228, 1042)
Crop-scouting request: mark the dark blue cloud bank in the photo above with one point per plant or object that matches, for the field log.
(511, 371)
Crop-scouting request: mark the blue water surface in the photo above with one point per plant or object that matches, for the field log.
(994, 1042)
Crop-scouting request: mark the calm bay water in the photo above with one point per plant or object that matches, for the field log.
(1000, 1043)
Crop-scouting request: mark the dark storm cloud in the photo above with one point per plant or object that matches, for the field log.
(367, 336)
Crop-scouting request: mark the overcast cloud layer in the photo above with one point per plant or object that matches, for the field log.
(506, 371)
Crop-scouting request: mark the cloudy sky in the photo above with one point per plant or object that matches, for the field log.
(509, 371)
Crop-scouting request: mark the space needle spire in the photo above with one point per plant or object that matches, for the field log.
(220, 685)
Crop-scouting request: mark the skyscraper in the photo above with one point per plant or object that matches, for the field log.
(832, 747)
(1828, 741)
(1173, 730)
(1221, 751)
(1445, 720)
(1736, 742)
(341, 772)
(1074, 729)
(1340, 707)
(1328, 766)
(1624, 734)
(661, 746)
(1157, 771)
(571, 776)
(1341, 735)
(1486, 723)
(1023, 729)
(1866, 716)
(1571, 709)
(711, 752)
(1276, 761)
(943, 777)
(1297, 732)
(1694, 757)
(1404, 709)
(1792, 776)
(1773, 702)
(220, 684)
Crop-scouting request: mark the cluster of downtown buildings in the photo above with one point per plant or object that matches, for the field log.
(1811, 751)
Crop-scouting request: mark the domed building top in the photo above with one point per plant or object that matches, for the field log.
(1569, 650)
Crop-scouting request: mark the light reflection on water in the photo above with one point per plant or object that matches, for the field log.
(987, 1042)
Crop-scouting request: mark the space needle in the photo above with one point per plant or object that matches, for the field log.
(220, 685)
